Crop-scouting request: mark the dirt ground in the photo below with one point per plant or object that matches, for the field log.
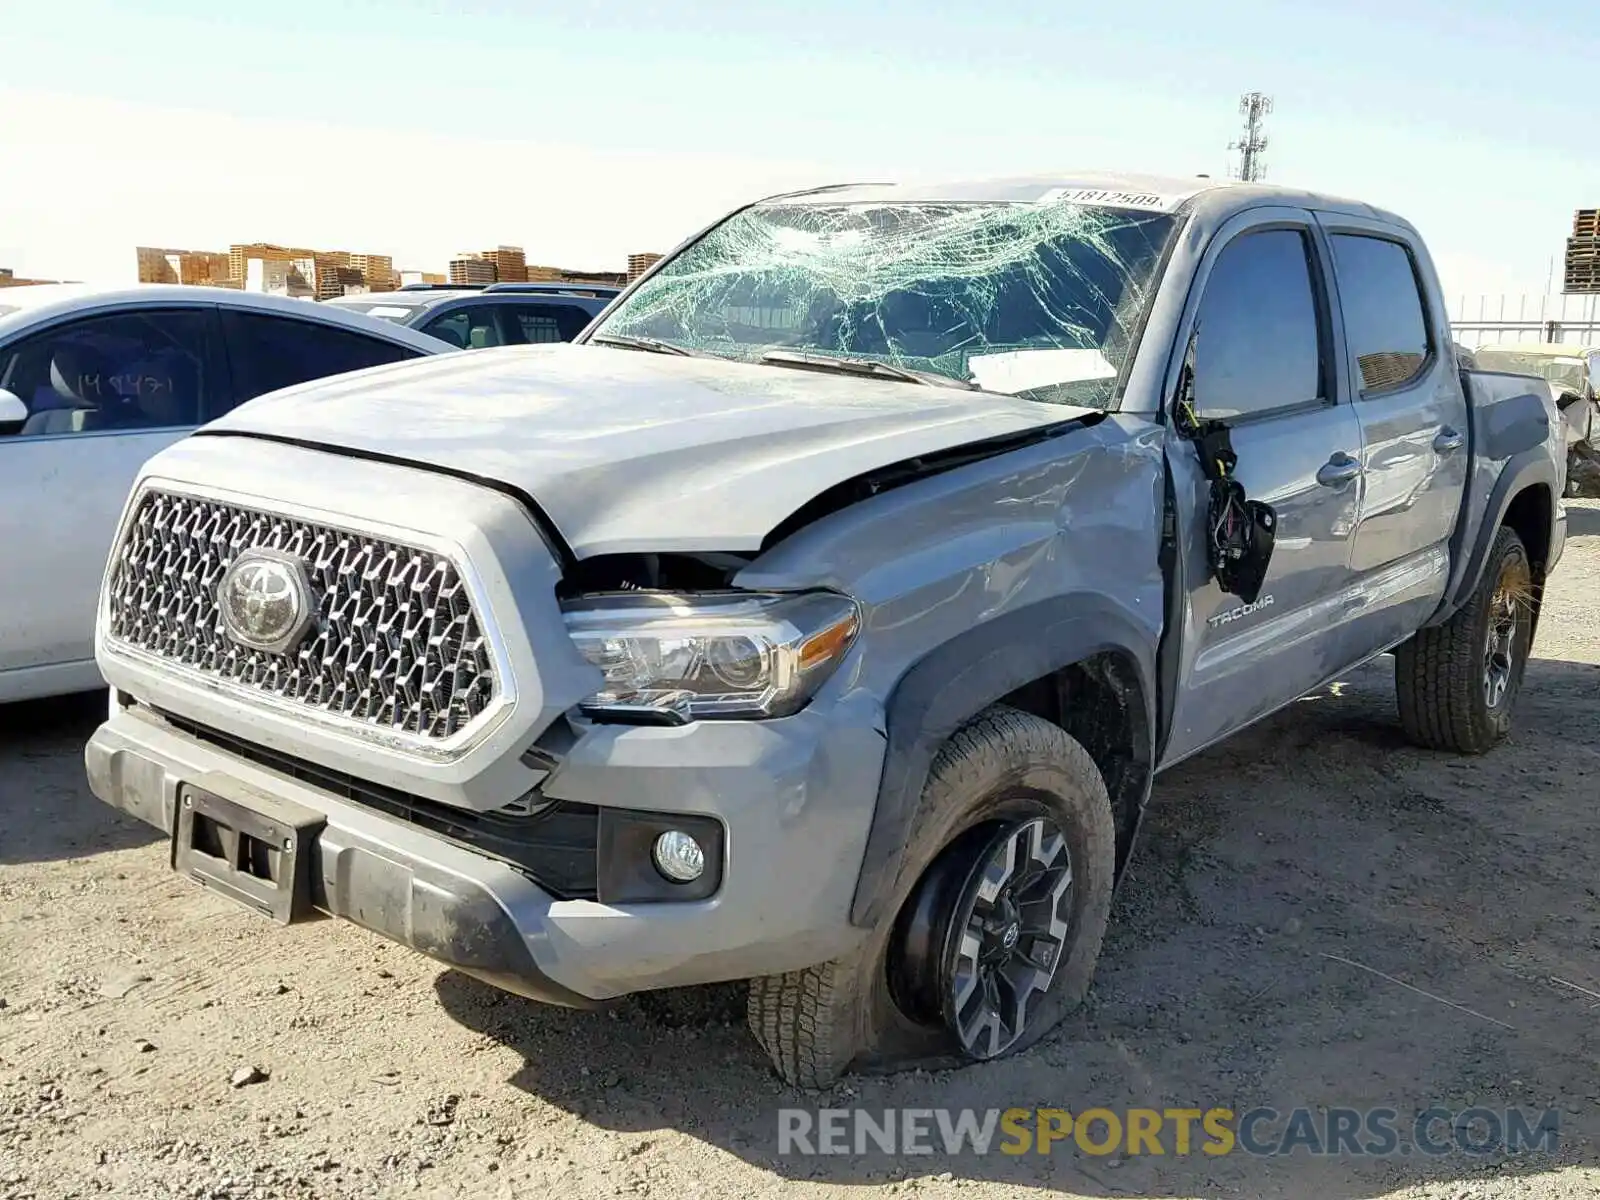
(1277, 876)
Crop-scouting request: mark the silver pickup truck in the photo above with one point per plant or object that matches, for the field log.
(822, 615)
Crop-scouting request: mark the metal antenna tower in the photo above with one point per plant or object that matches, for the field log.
(1254, 107)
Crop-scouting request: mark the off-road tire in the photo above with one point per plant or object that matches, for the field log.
(1439, 672)
(818, 1023)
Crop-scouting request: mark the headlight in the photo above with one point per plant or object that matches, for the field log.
(676, 658)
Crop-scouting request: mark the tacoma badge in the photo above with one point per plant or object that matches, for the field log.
(1238, 612)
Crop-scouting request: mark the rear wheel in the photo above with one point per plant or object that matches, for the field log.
(1458, 682)
(1008, 887)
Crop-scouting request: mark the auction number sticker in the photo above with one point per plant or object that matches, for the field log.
(1108, 199)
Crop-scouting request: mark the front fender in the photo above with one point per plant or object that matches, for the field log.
(958, 680)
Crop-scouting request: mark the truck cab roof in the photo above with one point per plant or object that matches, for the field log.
(1220, 198)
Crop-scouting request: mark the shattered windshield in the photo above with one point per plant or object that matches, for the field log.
(1036, 300)
(1563, 372)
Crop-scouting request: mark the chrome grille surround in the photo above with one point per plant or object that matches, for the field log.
(398, 651)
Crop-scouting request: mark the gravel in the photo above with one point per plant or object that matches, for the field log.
(1317, 915)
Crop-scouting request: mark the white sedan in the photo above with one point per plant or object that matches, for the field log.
(92, 383)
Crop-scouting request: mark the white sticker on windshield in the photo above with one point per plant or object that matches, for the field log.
(1023, 370)
(388, 311)
(1105, 198)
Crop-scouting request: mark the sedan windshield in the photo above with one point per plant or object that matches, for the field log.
(1036, 300)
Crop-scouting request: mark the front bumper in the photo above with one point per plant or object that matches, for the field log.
(795, 798)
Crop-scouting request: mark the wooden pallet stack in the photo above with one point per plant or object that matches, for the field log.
(638, 264)
(510, 264)
(377, 271)
(1583, 253)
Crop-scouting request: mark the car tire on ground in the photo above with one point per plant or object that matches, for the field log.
(1457, 683)
(1013, 851)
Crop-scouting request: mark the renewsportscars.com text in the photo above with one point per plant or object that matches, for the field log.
(1260, 1132)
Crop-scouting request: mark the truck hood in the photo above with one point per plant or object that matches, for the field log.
(629, 451)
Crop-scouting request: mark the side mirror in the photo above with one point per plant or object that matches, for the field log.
(12, 410)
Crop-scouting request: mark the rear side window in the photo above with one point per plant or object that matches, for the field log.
(550, 322)
(1259, 343)
(1384, 314)
(268, 353)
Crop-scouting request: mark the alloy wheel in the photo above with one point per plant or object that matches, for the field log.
(1507, 606)
(1007, 936)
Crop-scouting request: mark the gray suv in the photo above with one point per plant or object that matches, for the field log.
(496, 314)
(823, 615)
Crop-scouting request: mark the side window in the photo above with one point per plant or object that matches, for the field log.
(268, 353)
(549, 322)
(1384, 315)
(120, 372)
(1259, 344)
(1594, 375)
(468, 328)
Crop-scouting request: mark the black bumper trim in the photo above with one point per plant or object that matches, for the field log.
(463, 926)
(558, 848)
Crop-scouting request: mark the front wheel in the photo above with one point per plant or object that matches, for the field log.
(1008, 889)
(1457, 683)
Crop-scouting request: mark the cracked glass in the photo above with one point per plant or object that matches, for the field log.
(1034, 300)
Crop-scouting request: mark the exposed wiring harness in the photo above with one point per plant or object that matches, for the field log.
(1239, 531)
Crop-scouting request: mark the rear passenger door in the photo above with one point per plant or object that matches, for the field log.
(1266, 365)
(1413, 415)
(269, 352)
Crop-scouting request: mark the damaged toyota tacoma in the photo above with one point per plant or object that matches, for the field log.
(821, 616)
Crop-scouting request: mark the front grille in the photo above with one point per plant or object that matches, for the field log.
(395, 643)
(556, 847)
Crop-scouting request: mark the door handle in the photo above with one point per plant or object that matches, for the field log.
(1339, 469)
(1448, 440)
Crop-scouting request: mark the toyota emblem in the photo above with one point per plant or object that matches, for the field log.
(265, 598)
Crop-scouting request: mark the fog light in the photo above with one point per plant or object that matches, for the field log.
(678, 856)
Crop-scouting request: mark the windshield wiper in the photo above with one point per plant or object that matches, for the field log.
(653, 345)
(813, 361)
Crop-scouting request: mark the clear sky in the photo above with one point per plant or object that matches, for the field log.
(586, 131)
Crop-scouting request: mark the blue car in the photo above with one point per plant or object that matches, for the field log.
(496, 314)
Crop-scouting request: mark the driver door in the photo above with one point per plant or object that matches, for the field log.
(1265, 365)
